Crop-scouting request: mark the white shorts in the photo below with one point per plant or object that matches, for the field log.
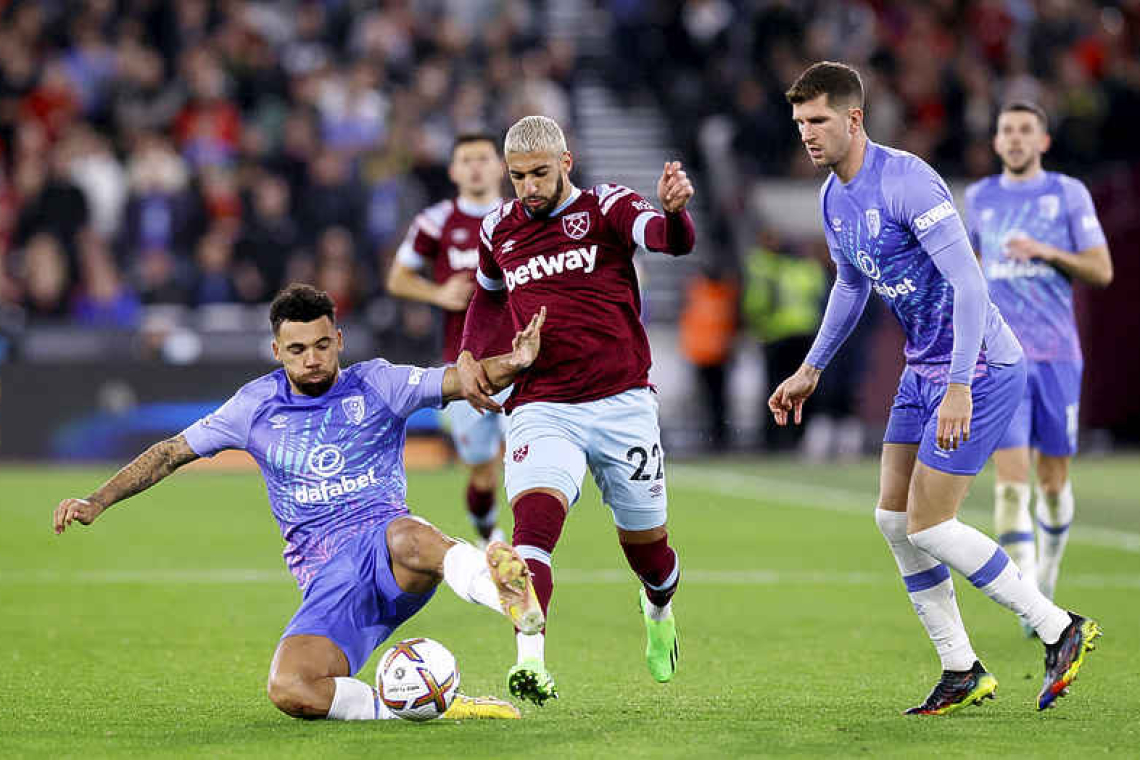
(549, 445)
(478, 438)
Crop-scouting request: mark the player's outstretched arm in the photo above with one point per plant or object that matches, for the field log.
(148, 468)
(497, 371)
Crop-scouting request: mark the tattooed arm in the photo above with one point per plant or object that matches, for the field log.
(148, 468)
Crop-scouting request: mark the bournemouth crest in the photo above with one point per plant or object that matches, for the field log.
(874, 223)
(576, 225)
(353, 408)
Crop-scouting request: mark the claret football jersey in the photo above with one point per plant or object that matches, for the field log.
(578, 263)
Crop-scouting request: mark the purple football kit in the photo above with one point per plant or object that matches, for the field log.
(894, 229)
(1036, 298)
(334, 470)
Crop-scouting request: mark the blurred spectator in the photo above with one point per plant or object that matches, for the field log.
(707, 330)
(270, 237)
(102, 298)
(47, 279)
(783, 299)
(213, 281)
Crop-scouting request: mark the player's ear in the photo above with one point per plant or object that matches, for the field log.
(276, 351)
(1046, 142)
(339, 340)
(855, 119)
(567, 161)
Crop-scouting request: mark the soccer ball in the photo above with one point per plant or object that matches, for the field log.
(417, 679)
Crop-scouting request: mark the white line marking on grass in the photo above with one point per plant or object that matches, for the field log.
(569, 576)
(765, 490)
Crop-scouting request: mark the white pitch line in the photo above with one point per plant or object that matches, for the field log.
(762, 489)
(567, 576)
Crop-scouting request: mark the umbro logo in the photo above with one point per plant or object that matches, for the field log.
(277, 421)
(507, 246)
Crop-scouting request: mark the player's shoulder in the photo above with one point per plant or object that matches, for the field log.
(1070, 186)
(981, 186)
(495, 219)
(897, 165)
(608, 194)
(433, 218)
(260, 390)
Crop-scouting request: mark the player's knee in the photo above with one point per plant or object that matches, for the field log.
(417, 547)
(292, 696)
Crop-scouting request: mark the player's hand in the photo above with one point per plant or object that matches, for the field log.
(75, 509)
(528, 341)
(954, 417)
(674, 188)
(474, 383)
(455, 293)
(1024, 248)
(791, 394)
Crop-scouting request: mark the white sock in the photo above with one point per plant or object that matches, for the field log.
(1054, 515)
(356, 700)
(659, 613)
(931, 591)
(979, 558)
(1013, 525)
(465, 570)
(531, 646)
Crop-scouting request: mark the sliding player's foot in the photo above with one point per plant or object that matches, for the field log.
(464, 707)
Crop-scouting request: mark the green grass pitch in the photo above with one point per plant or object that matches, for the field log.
(149, 634)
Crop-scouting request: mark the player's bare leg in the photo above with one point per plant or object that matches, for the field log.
(539, 516)
(933, 504)
(931, 591)
(1013, 521)
(656, 564)
(1054, 516)
(482, 484)
(306, 676)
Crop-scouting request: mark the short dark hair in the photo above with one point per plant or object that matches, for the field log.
(1027, 106)
(299, 302)
(466, 138)
(838, 81)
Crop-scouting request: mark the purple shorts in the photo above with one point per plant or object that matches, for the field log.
(1047, 418)
(914, 417)
(354, 599)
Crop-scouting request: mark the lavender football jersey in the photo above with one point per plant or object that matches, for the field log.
(887, 223)
(333, 464)
(1035, 298)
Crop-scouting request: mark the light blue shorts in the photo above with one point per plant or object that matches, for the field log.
(549, 445)
(1048, 416)
(478, 438)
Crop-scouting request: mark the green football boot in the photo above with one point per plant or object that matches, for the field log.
(530, 680)
(661, 650)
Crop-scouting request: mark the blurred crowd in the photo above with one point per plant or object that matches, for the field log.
(199, 152)
(935, 72)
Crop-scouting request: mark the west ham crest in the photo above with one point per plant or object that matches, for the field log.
(520, 453)
(576, 225)
(873, 222)
(459, 236)
(353, 407)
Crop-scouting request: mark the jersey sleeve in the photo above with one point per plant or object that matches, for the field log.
(406, 388)
(626, 212)
(921, 201)
(228, 427)
(489, 275)
(1084, 225)
(421, 243)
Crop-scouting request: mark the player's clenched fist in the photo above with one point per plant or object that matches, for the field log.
(674, 189)
(75, 509)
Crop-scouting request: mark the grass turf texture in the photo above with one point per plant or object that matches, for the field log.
(149, 634)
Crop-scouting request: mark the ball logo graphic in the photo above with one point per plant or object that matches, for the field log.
(326, 460)
(867, 264)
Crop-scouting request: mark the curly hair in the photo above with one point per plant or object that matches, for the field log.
(298, 302)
